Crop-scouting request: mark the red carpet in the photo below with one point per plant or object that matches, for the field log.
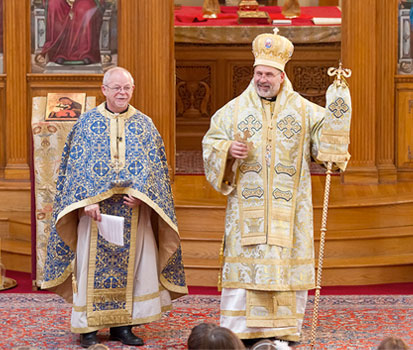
(24, 285)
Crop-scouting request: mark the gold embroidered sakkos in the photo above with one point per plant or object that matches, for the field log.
(262, 207)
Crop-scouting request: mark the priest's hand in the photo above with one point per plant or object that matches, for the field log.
(238, 150)
(93, 211)
(131, 202)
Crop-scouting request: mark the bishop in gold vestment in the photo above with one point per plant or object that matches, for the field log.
(257, 152)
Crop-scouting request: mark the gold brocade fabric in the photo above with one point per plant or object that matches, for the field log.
(335, 136)
(111, 269)
(48, 141)
(246, 34)
(268, 242)
(271, 309)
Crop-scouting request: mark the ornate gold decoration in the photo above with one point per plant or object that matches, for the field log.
(291, 9)
(250, 167)
(340, 74)
(338, 107)
(248, 5)
(252, 192)
(251, 124)
(283, 169)
(272, 50)
(286, 195)
(248, 13)
(289, 126)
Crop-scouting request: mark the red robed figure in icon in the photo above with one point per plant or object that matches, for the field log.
(73, 30)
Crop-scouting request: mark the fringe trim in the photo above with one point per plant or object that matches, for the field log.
(335, 139)
(335, 158)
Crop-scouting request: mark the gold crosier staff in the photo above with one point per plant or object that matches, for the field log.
(333, 151)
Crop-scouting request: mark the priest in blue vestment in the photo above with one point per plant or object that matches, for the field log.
(114, 248)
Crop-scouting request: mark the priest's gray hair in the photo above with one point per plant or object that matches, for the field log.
(109, 72)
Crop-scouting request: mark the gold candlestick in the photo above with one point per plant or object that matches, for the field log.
(210, 9)
(291, 9)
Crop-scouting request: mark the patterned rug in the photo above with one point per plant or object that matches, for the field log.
(41, 321)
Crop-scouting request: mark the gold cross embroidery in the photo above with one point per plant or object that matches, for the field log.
(338, 107)
(289, 126)
(250, 124)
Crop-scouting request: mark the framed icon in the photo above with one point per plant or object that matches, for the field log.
(65, 106)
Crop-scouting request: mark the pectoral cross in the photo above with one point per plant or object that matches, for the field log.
(244, 139)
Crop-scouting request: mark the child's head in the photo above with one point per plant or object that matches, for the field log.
(393, 343)
(210, 336)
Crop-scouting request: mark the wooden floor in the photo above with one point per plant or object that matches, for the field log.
(369, 237)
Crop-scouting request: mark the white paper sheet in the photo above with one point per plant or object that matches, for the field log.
(281, 21)
(111, 228)
(325, 20)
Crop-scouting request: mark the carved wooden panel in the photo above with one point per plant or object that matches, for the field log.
(193, 92)
(241, 77)
(196, 96)
(311, 82)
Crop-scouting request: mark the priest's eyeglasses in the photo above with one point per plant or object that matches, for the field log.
(117, 88)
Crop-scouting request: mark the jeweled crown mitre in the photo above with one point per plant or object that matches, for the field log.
(272, 50)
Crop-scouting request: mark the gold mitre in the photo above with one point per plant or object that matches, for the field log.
(272, 50)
